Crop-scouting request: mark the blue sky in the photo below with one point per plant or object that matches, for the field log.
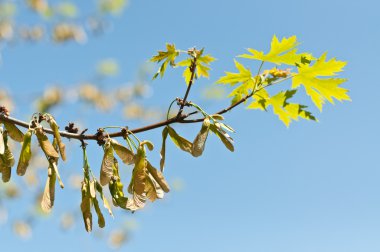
(311, 187)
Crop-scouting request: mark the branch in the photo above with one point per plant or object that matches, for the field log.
(193, 67)
(81, 137)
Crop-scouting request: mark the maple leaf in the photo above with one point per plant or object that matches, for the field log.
(286, 112)
(167, 56)
(281, 52)
(202, 69)
(322, 89)
(244, 76)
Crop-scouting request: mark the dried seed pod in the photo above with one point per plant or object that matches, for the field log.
(123, 153)
(53, 162)
(152, 189)
(149, 144)
(2, 145)
(165, 133)
(200, 140)
(13, 131)
(6, 172)
(48, 197)
(139, 172)
(106, 170)
(217, 117)
(92, 189)
(105, 201)
(7, 160)
(179, 141)
(223, 136)
(101, 221)
(54, 126)
(25, 154)
(157, 175)
(45, 144)
(85, 207)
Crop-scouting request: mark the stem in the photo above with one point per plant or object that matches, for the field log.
(177, 119)
(192, 69)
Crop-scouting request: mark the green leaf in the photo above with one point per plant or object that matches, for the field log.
(168, 57)
(243, 76)
(322, 89)
(202, 66)
(281, 52)
(284, 110)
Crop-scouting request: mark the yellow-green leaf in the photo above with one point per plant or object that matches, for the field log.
(281, 52)
(322, 89)
(167, 56)
(243, 76)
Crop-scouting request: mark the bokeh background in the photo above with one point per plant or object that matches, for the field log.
(311, 187)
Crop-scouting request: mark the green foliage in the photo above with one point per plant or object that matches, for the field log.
(316, 75)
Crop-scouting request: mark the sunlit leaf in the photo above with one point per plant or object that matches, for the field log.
(322, 89)
(281, 52)
(168, 57)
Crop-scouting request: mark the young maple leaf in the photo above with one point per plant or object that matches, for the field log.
(281, 52)
(322, 89)
(167, 56)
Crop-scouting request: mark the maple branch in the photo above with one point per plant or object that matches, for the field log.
(193, 67)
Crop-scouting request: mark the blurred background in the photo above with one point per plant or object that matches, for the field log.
(311, 187)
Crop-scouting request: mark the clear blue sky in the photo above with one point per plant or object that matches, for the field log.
(310, 188)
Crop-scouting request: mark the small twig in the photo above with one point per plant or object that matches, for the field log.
(193, 67)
